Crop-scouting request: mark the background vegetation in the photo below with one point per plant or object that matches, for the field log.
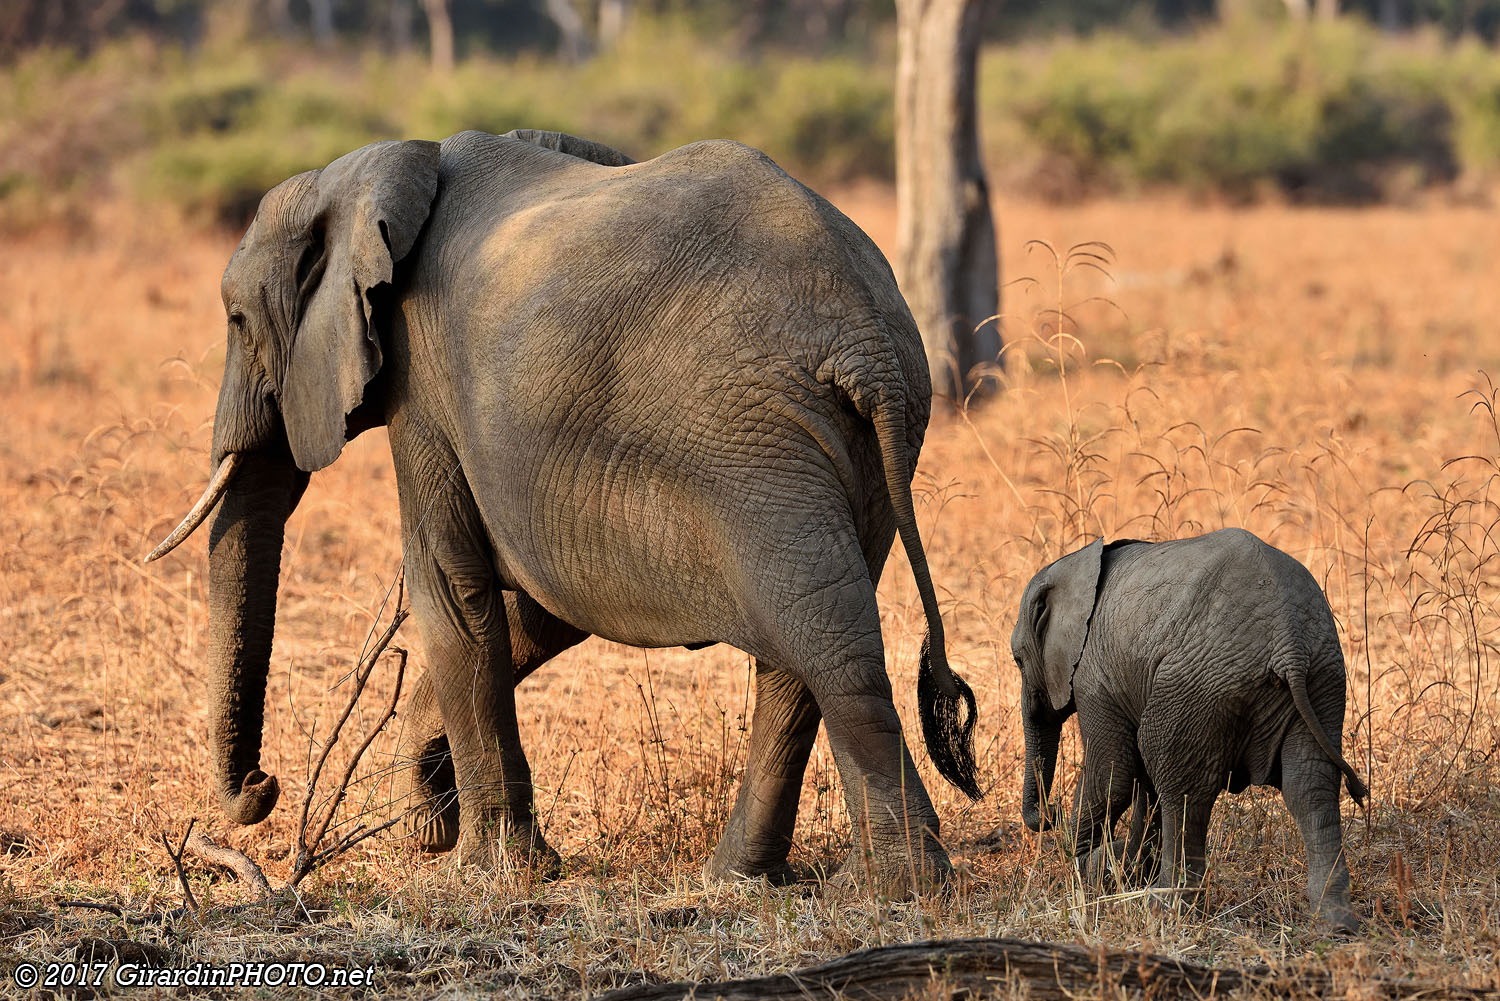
(1248, 106)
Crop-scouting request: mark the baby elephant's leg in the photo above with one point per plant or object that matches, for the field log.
(1310, 785)
(1185, 754)
(1144, 843)
(1104, 791)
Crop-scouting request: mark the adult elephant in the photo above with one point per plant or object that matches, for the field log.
(677, 402)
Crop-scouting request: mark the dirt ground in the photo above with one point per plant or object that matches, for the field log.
(1318, 376)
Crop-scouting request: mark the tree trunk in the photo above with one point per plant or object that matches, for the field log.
(400, 26)
(1390, 17)
(280, 12)
(1298, 9)
(322, 21)
(1328, 10)
(576, 46)
(821, 23)
(946, 259)
(613, 14)
(440, 35)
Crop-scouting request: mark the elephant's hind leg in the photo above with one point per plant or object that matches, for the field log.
(1310, 784)
(1143, 846)
(820, 623)
(759, 834)
(1185, 753)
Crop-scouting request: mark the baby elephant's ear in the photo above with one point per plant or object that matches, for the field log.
(1073, 585)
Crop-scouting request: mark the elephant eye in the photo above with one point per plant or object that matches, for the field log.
(239, 328)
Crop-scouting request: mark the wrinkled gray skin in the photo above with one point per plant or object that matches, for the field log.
(1194, 666)
(669, 403)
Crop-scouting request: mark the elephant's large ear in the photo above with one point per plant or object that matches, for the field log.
(371, 206)
(1072, 586)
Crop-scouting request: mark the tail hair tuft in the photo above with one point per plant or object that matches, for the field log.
(948, 732)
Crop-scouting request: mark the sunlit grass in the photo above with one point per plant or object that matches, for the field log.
(1308, 375)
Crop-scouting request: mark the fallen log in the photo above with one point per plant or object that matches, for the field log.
(1008, 967)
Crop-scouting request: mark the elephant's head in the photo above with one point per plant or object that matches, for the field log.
(300, 294)
(1047, 642)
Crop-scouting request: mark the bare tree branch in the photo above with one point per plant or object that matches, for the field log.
(308, 855)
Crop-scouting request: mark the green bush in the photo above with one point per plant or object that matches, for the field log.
(1326, 112)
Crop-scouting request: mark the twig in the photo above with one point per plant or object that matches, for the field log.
(309, 858)
(90, 905)
(176, 857)
(361, 677)
(308, 855)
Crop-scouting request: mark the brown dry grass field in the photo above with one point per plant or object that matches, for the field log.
(1314, 375)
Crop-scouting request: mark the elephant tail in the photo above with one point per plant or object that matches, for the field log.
(948, 732)
(1296, 679)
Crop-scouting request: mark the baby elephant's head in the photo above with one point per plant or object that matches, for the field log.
(1047, 642)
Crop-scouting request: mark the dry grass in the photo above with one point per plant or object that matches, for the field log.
(1300, 373)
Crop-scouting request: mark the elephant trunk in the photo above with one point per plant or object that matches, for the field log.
(1041, 757)
(244, 565)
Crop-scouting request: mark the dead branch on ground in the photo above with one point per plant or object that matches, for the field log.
(996, 967)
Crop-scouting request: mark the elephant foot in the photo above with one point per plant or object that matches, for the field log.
(503, 846)
(895, 876)
(1338, 919)
(433, 829)
(1184, 901)
(1111, 868)
(730, 863)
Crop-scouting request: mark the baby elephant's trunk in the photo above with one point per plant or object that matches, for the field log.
(1041, 762)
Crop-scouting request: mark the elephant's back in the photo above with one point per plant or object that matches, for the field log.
(712, 238)
(1225, 603)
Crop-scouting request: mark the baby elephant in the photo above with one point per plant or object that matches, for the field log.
(1194, 666)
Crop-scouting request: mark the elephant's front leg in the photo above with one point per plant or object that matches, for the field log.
(1104, 790)
(425, 792)
(450, 571)
(758, 836)
(464, 627)
(425, 788)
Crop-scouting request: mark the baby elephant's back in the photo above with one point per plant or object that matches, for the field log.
(1225, 594)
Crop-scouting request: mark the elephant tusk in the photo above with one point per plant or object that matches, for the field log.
(211, 495)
